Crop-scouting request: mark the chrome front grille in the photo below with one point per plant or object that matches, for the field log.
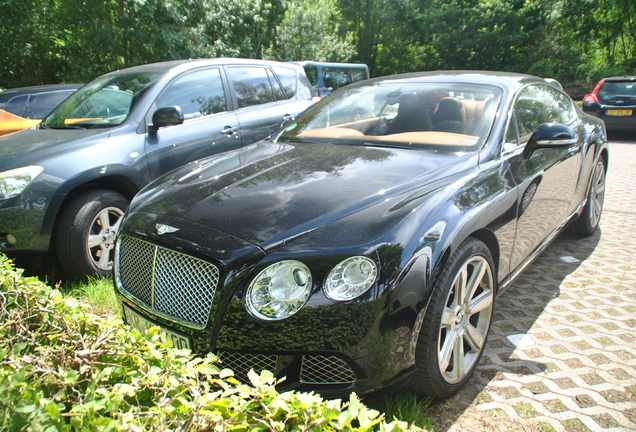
(166, 281)
(318, 369)
(241, 363)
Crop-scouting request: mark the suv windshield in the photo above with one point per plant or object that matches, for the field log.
(104, 102)
(452, 116)
(617, 92)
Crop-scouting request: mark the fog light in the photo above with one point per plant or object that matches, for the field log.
(11, 239)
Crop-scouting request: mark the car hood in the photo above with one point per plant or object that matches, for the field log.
(35, 146)
(268, 193)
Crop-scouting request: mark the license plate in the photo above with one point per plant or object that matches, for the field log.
(142, 324)
(619, 112)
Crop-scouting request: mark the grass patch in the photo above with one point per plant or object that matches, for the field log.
(98, 292)
(405, 405)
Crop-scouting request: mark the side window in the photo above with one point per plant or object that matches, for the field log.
(358, 74)
(304, 90)
(251, 85)
(512, 140)
(287, 76)
(336, 78)
(16, 105)
(312, 74)
(198, 94)
(278, 91)
(41, 104)
(531, 110)
(564, 113)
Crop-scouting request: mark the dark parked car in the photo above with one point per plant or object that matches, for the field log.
(25, 107)
(359, 255)
(64, 186)
(614, 101)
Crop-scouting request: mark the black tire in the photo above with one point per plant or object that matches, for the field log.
(453, 334)
(84, 245)
(587, 223)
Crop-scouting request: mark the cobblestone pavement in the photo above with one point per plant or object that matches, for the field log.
(561, 355)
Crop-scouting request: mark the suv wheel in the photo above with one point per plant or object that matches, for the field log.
(86, 233)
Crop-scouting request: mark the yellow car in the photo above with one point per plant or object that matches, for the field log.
(22, 108)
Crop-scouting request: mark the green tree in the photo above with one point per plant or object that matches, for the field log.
(309, 31)
(240, 28)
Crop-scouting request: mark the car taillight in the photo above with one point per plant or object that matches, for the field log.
(592, 96)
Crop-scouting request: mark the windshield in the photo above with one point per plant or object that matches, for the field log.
(104, 102)
(446, 115)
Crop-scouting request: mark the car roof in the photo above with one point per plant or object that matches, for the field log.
(182, 65)
(39, 89)
(508, 80)
(620, 79)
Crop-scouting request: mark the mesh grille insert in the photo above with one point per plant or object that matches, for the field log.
(241, 363)
(166, 281)
(318, 369)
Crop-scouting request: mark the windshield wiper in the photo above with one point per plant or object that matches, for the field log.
(46, 126)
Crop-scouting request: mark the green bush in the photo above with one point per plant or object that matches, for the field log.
(66, 369)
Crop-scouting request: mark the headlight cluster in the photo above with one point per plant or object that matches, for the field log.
(283, 288)
(15, 181)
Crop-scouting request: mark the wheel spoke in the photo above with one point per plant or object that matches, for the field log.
(474, 338)
(115, 226)
(459, 365)
(95, 240)
(482, 302)
(448, 317)
(475, 279)
(104, 219)
(460, 285)
(448, 348)
(600, 187)
(104, 258)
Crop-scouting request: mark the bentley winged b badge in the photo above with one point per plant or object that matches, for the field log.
(163, 229)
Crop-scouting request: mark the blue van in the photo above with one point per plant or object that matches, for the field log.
(327, 77)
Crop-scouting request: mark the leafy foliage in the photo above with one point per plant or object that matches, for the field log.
(63, 368)
(310, 31)
(574, 41)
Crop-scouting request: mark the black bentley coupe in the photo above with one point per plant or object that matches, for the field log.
(363, 247)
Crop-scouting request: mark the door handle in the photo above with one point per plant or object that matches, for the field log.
(286, 119)
(228, 130)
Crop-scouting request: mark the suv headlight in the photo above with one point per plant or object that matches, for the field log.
(351, 278)
(15, 181)
(279, 291)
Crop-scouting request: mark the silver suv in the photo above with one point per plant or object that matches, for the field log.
(65, 184)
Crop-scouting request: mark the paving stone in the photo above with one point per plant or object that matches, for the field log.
(584, 400)
(600, 359)
(605, 421)
(555, 405)
(575, 425)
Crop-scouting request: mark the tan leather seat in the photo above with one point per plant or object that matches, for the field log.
(450, 116)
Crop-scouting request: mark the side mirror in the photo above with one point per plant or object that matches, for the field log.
(167, 116)
(550, 135)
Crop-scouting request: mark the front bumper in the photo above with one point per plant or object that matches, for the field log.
(25, 224)
(329, 347)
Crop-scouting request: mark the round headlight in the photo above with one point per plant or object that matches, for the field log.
(351, 278)
(279, 291)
